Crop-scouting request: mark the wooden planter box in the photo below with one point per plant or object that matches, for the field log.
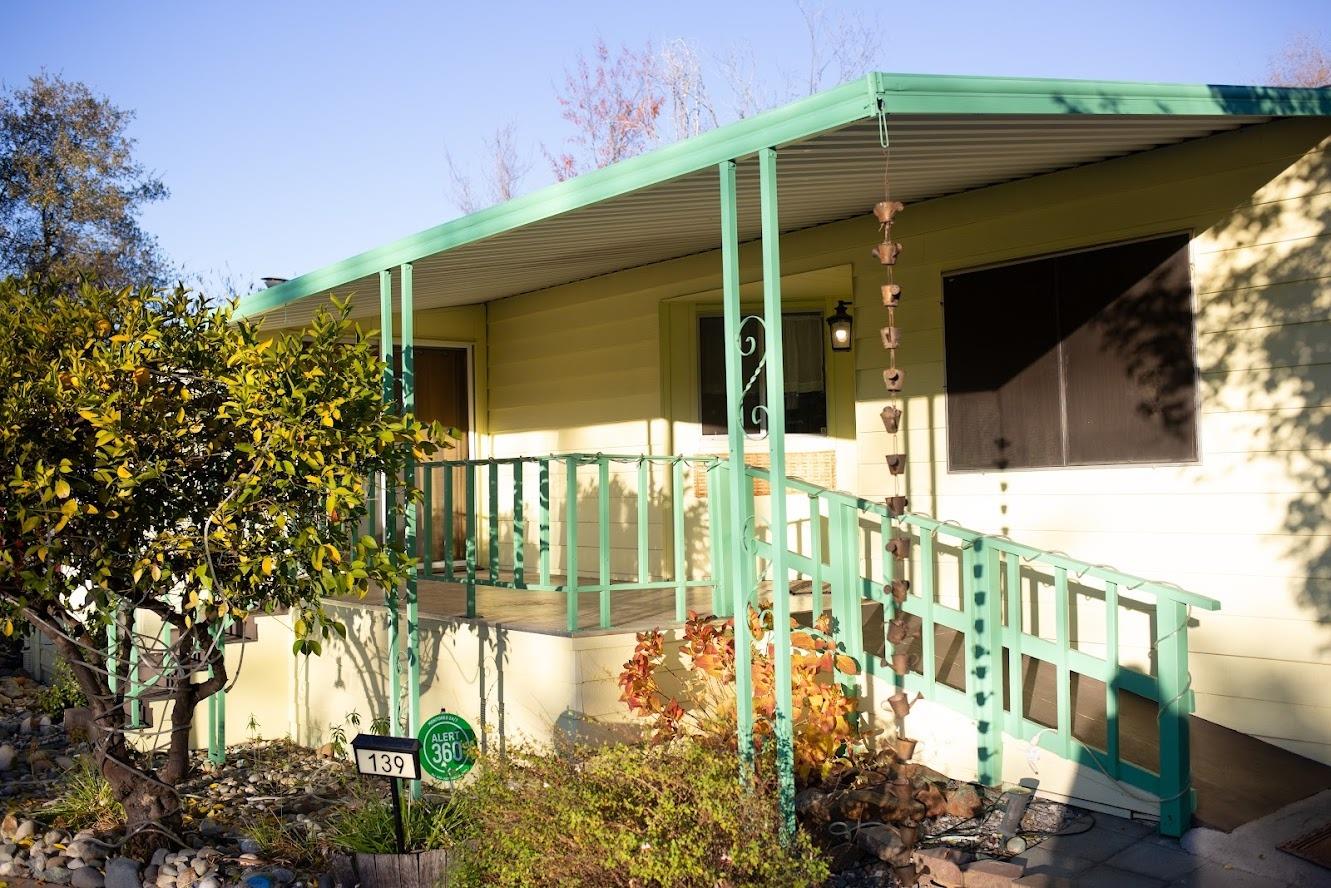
(420, 869)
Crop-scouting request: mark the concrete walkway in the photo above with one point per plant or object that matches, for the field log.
(1120, 853)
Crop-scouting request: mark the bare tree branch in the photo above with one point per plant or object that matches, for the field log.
(612, 102)
(1304, 61)
(500, 174)
(681, 76)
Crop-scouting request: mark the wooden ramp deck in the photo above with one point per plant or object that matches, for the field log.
(545, 613)
(1238, 778)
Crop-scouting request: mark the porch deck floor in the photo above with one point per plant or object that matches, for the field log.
(542, 612)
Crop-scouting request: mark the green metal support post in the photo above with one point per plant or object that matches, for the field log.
(732, 561)
(413, 611)
(716, 504)
(644, 496)
(681, 543)
(776, 438)
(492, 519)
(603, 537)
(543, 521)
(390, 595)
(469, 491)
(1176, 794)
(519, 526)
(217, 709)
(571, 532)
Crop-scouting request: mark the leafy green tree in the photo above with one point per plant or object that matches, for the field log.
(70, 188)
(162, 462)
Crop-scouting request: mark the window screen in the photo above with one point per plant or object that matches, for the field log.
(1080, 359)
(805, 381)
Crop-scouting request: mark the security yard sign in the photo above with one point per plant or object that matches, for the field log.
(448, 746)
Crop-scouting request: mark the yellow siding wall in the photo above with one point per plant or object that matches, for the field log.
(588, 367)
(1248, 523)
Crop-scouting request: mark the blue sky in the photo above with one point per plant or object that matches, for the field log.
(293, 134)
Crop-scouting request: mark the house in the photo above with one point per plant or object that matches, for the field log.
(1112, 361)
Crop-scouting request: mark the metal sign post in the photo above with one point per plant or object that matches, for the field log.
(393, 758)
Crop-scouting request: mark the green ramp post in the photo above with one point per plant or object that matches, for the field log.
(732, 558)
(775, 412)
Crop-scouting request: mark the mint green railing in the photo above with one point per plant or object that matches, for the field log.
(508, 541)
(499, 533)
(990, 619)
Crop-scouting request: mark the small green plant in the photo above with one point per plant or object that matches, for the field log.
(288, 843)
(380, 726)
(366, 825)
(671, 815)
(337, 734)
(62, 693)
(252, 728)
(86, 799)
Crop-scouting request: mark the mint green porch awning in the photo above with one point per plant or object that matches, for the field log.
(948, 134)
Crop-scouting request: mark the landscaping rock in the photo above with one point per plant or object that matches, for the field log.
(964, 801)
(813, 803)
(880, 841)
(7, 755)
(991, 873)
(25, 830)
(87, 877)
(942, 865)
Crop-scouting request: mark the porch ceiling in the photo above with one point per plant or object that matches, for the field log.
(951, 135)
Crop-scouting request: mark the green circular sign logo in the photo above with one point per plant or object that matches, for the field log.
(448, 746)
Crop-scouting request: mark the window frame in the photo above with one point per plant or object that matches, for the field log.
(795, 441)
(1190, 235)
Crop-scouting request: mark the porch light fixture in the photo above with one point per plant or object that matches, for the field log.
(840, 323)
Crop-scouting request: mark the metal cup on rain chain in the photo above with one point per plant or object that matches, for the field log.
(900, 589)
(894, 379)
(891, 295)
(891, 417)
(887, 252)
(898, 631)
(886, 210)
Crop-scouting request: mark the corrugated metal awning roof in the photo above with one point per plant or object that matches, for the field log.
(947, 135)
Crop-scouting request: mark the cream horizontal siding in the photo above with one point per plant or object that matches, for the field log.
(1248, 521)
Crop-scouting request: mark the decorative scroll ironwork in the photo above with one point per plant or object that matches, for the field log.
(748, 344)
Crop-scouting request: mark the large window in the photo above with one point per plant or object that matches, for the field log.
(1078, 359)
(805, 379)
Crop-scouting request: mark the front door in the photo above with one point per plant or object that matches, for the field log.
(443, 395)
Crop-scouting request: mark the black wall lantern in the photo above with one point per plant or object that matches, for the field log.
(840, 323)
